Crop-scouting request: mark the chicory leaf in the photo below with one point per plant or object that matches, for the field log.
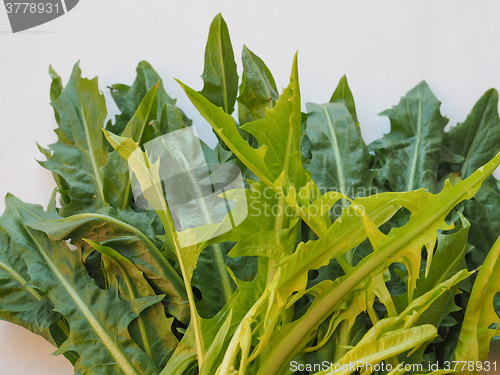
(219, 75)
(410, 153)
(80, 151)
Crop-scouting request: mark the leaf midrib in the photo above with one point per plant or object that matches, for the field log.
(140, 319)
(336, 150)
(413, 169)
(89, 316)
(264, 78)
(420, 337)
(98, 177)
(223, 70)
(16, 276)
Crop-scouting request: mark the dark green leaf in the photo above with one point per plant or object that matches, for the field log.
(343, 94)
(171, 119)
(60, 274)
(80, 151)
(56, 87)
(338, 162)
(410, 153)
(151, 330)
(209, 281)
(473, 141)
(257, 90)
(219, 74)
(484, 215)
(21, 303)
(131, 233)
(128, 98)
(115, 172)
(477, 139)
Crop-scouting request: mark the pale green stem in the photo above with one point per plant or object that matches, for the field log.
(219, 257)
(221, 265)
(126, 195)
(277, 227)
(344, 340)
(168, 225)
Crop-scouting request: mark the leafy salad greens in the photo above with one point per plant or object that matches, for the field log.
(382, 255)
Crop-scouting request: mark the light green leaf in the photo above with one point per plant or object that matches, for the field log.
(367, 349)
(448, 260)
(216, 346)
(477, 331)
(385, 346)
(146, 112)
(404, 244)
(246, 294)
(147, 174)
(279, 131)
(241, 305)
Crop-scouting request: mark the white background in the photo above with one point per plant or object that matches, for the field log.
(385, 48)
